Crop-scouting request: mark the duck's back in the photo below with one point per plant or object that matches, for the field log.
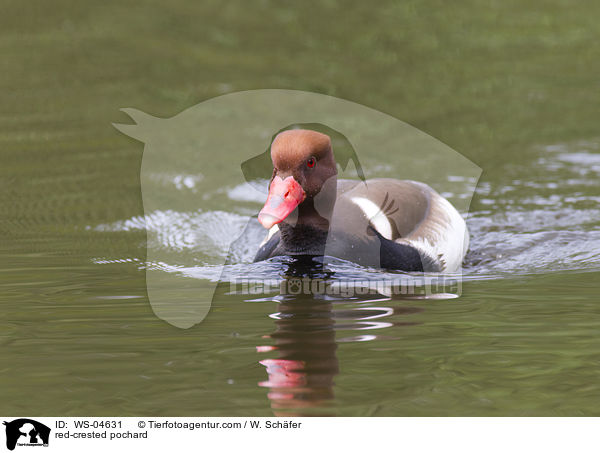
(405, 212)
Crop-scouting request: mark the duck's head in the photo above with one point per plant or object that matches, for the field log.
(303, 163)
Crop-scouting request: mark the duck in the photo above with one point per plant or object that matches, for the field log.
(383, 223)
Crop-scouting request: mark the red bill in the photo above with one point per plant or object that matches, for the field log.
(284, 196)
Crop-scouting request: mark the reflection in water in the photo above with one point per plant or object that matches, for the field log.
(302, 375)
(301, 378)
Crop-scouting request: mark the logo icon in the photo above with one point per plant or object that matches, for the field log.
(190, 167)
(26, 432)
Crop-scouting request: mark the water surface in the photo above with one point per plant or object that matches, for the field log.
(511, 86)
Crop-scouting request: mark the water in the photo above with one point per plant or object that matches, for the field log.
(76, 320)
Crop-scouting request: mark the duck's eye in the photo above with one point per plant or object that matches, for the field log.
(311, 162)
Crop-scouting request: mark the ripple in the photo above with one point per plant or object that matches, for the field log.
(530, 223)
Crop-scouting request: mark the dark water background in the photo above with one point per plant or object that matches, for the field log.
(512, 86)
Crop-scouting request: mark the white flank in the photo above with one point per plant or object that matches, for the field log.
(447, 239)
(377, 218)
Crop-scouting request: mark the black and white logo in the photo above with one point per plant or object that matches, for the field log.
(26, 432)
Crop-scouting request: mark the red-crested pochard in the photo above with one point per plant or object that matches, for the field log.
(386, 223)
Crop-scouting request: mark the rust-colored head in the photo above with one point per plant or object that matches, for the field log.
(302, 161)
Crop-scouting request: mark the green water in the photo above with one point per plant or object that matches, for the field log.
(512, 86)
